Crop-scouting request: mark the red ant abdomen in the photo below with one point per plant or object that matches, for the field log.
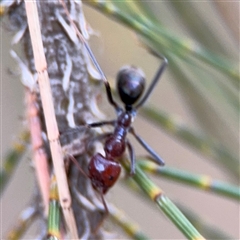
(103, 172)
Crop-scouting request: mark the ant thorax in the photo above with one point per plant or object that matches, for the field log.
(124, 120)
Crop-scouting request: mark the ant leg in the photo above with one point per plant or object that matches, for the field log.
(100, 124)
(109, 95)
(90, 125)
(106, 83)
(156, 158)
(132, 157)
(106, 213)
(154, 81)
(78, 166)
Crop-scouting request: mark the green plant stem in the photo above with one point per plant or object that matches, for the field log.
(200, 181)
(54, 211)
(210, 232)
(164, 203)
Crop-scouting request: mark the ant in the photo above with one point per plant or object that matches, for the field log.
(105, 170)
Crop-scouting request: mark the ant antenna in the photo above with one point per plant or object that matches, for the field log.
(155, 79)
(106, 213)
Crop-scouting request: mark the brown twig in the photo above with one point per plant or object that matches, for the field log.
(49, 114)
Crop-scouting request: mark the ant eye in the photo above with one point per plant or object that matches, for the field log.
(110, 178)
(130, 84)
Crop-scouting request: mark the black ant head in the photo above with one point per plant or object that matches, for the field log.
(130, 84)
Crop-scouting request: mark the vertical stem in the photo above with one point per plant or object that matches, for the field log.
(49, 114)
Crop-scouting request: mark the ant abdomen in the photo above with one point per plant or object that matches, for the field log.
(103, 172)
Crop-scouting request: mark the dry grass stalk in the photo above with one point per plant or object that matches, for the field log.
(49, 114)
